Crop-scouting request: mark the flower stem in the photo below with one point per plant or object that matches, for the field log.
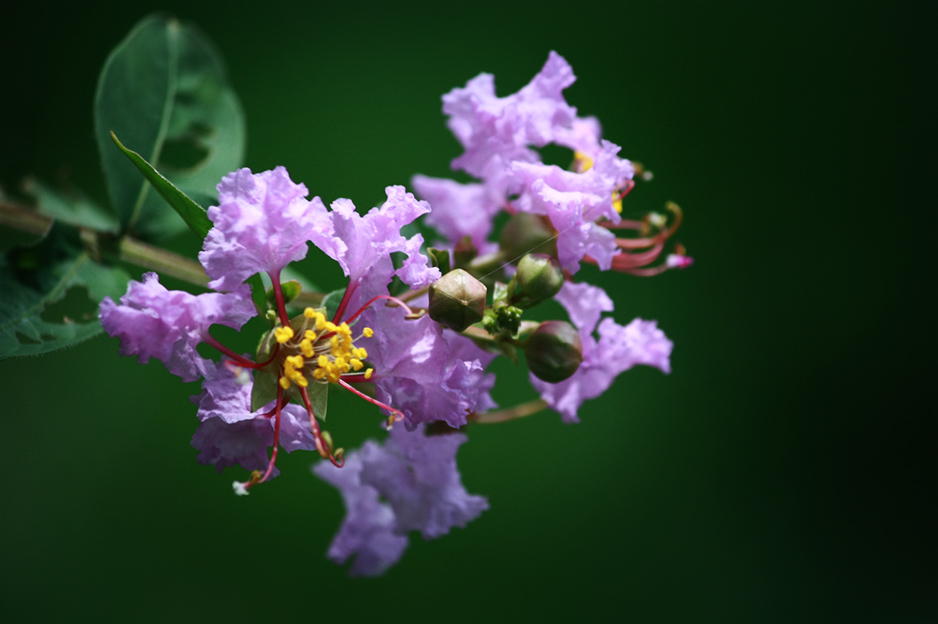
(129, 249)
(512, 413)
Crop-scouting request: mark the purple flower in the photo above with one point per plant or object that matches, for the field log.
(459, 210)
(617, 350)
(152, 321)
(262, 223)
(422, 373)
(497, 131)
(362, 245)
(368, 531)
(574, 202)
(230, 433)
(417, 475)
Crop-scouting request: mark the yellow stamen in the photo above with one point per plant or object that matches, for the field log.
(283, 334)
(368, 332)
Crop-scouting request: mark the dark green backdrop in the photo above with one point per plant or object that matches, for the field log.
(783, 472)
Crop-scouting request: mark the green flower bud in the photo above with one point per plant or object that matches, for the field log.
(539, 277)
(554, 351)
(457, 300)
(525, 233)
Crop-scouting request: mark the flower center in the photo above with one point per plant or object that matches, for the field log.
(318, 349)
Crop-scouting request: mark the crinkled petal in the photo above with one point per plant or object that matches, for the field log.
(152, 321)
(417, 475)
(617, 350)
(417, 371)
(368, 531)
(243, 443)
(497, 131)
(368, 241)
(459, 210)
(584, 304)
(261, 224)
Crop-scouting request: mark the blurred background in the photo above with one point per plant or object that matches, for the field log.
(784, 471)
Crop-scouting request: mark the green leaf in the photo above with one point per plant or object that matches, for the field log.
(319, 399)
(73, 208)
(192, 213)
(33, 278)
(164, 91)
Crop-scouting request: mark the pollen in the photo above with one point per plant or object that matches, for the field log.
(293, 372)
(617, 202)
(283, 334)
(335, 351)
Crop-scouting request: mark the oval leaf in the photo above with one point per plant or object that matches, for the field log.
(163, 90)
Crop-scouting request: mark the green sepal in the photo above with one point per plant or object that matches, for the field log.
(319, 399)
(501, 294)
(440, 259)
(192, 213)
(291, 290)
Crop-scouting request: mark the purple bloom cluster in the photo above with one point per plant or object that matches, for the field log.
(421, 353)
(500, 136)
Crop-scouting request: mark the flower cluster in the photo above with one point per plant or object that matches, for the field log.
(420, 353)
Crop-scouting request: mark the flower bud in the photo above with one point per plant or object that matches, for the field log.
(539, 277)
(525, 233)
(554, 351)
(457, 300)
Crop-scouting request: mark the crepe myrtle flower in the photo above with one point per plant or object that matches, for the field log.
(410, 482)
(261, 224)
(580, 207)
(616, 350)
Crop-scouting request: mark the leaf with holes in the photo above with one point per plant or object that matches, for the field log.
(164, 92)
(34, 278)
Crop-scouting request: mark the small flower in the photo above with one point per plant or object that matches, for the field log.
(417, 476)
(368, 531)
(617, 350)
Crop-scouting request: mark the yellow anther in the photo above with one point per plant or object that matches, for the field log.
(360, 353)
(283, 334)
(617, 202)
(368, 332)
(306, 347)
(368, 373)
(284, 383)
(356, 364)
(310, 334)
(581, 162)
(309, 313)
(320, 322)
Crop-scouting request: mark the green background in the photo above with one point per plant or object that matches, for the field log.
(784, 471)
